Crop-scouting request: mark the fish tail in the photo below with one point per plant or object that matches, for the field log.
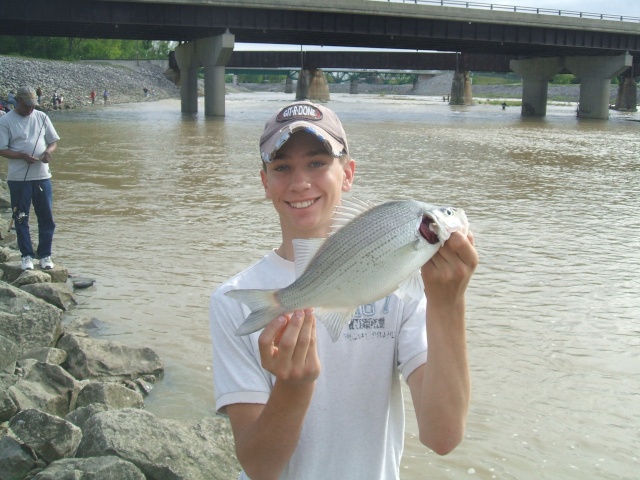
(263, 305)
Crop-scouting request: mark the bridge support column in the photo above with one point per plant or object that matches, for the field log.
(288, 85)
(627, 98)
(353, 85)
(461, 89)
(302, 89)
(595, 74)
(188, 64)
(214, 53)
(535, 73)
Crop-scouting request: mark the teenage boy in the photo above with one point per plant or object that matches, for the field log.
(302, 406)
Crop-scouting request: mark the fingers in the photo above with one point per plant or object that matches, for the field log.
(288, 347)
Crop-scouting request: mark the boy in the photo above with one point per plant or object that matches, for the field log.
(301, 406)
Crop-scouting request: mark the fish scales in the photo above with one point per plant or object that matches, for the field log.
(371, 239)
(369, 256)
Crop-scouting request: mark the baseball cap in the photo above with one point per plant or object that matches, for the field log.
(28, 96)
(306, 116)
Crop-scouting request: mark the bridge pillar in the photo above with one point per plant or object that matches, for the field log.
(595, 74)
(188, 65)
(214, 53)
(353, 85)
(461, 89)
(627, 98)
(535, 73)
(302, 89)
(319, 87)
(288, 85)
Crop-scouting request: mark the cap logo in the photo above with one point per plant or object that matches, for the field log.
(299, 112)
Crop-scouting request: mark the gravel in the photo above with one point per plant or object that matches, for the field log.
(74, 80)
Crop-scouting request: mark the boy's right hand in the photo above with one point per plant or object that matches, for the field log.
(288, 348)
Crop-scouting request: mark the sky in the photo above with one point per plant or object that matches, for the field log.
(627, 8)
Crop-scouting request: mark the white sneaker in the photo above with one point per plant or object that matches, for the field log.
(27, 263)
(46, 263)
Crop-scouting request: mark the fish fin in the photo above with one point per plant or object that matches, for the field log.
(334, 320)
(303, 251)
(412, 288)
(263, 306)
(347, 211)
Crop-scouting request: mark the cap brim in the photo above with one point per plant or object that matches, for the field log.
(269, 148)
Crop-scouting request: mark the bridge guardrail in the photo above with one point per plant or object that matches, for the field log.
(516, 9)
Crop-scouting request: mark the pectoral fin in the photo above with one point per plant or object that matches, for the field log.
(334, 321)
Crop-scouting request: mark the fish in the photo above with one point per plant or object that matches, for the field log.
(371, 252)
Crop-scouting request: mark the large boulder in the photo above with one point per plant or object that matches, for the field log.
(163, 449)
(46, 387)
(51, 437)
(15, 459)
(57, 294)
(113, 395)
(26, 320)
(90, 359)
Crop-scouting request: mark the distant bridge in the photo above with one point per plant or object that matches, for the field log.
(540, 43)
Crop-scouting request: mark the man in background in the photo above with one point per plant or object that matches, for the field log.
(27, 140)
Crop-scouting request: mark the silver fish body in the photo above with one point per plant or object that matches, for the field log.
(373, 252)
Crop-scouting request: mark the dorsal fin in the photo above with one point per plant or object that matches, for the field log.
(347, 211)
(304, 250)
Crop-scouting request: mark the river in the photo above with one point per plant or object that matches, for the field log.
(160, 208)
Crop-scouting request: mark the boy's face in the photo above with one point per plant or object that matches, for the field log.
(305, 183)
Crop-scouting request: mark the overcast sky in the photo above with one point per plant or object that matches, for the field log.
(627, 8)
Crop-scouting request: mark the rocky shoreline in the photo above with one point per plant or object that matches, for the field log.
(75, 80)
(72, 406)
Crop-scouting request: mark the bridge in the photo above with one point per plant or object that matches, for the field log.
(540, 43)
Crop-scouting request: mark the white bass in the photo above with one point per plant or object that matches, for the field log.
(372, 252)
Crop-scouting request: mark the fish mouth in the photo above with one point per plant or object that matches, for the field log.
(427, 227)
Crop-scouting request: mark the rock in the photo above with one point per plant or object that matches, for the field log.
(15, 460)
(26, 320)
(57, 294)
(46, 387)
(9, 254)
(54, 356)
(162, 449)
(8, 408)
(98, 359)
(51, 437)
(80, 415)
(29, 277)
(94, 468)
(8, 354)
(112, 395)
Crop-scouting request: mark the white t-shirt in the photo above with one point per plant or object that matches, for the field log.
(354, 428)
(29, 134)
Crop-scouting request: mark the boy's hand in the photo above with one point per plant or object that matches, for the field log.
(288, 348)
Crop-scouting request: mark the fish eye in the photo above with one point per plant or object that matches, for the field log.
(449, 211)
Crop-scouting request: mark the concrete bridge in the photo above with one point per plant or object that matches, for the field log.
(540, 43)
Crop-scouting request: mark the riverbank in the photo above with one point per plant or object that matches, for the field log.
(75, 80)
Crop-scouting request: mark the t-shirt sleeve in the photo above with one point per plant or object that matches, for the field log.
(412, 338)
(50, 135)
(238, 376)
